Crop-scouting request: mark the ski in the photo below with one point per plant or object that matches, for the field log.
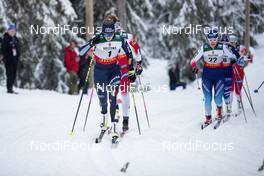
(204, 125)
(229, 116)
(218, 123)
(226, 118)
(99, 139)
(124, 168)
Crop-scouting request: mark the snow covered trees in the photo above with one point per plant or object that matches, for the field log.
(41, 63)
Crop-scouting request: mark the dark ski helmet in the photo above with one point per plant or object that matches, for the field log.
(108, 26)
(212, 33)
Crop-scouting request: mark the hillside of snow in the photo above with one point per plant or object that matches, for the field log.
(35, 139)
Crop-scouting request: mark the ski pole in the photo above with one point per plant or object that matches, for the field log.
(197, 80)
(86, 117)
(144, 102)
(248, 89)
(247, 94)
(256, 90)
(244, 89)
(252, 107)
(80, 101)
(135, 107)
(240, 98)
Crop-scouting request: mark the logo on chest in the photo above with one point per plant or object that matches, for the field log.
(109, 47)
(214, 53)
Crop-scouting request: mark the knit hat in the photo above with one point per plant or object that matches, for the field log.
(12, 26)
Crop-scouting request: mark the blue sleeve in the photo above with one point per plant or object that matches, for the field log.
(128, 52)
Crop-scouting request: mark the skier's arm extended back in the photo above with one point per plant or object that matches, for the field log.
(91, 43)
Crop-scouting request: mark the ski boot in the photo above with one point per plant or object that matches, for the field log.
(104, 127)
(239, 107)
(228, 112)
(117, 119)
(219, 113)
(219, 117)
(228, 108)
(207, 122)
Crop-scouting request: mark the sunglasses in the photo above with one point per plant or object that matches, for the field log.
(108, 35)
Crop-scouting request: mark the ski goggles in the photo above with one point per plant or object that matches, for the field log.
(108, 35)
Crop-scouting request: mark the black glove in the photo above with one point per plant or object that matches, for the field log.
(95, 40)
(139, 68)
(132, 76)
(233, 61)
(195, 70)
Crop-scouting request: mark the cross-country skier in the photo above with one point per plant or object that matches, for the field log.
(123, 63)
(228, 73)
(107, 48)
(212, 54)
(238, 71)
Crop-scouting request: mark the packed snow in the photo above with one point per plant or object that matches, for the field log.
(35, 140)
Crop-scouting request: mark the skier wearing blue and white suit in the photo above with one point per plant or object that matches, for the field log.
(212, 54)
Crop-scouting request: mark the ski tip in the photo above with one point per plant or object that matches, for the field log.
(124, 168)
(71, 134)
(96, 140)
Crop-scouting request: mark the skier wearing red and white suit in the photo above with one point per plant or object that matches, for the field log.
(238, 72)
(123, 63)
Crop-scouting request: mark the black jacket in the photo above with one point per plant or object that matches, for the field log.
(10, 48)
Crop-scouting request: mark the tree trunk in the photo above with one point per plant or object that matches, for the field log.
(247, 32)
(89, 23)
(121, 13)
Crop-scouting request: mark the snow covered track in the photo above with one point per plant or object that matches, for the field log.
(35, 126)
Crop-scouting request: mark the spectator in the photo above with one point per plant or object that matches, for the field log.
(1, 43)
(174, 75)
(71, 60)
(11, 53)
(83, 69)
